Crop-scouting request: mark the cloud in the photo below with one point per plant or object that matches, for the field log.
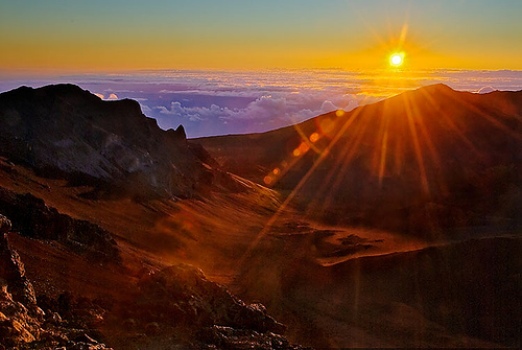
(328, 106)
(111, 96)
(486, 90)
(264, 113)
(145, 109)
(228, 102)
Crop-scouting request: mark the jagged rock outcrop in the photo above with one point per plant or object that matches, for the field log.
(181, 304)
(33, 218)
(23, 324)
(5, 224)
(12, 270)
(64, 131)
(183, 294)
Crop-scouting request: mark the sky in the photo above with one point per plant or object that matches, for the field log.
(100, 36)
(241, 66)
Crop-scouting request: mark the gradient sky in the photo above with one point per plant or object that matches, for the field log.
(90, 36)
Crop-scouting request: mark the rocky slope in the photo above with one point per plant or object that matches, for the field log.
(96, 282)
(23, 323)
(174, 308)
(65, 131)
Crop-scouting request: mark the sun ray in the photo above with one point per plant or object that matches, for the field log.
(384, 152)
(416, 145)
(435, 161)
(273, 219)
(453, 127)
(338, 172)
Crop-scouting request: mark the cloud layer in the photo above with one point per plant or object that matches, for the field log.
(225, 102)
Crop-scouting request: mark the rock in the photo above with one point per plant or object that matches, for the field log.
(230, 338)
(56, 318)
(33, 218)
(22, 322)
(5, 224)
(13, 332)
(184, 293)
(85, 339)
(16, 324)
(181, 296)
(22, 329)
(12, 270)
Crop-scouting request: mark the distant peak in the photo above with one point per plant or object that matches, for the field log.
(180, 130)
(63, 88)
(437, 88)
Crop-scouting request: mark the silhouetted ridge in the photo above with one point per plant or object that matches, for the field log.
(62, 130)
(420, 161)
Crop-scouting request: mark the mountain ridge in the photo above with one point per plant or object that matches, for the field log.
(423, 148)
(62, 130)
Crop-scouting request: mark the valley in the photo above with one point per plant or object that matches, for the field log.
(398, 249)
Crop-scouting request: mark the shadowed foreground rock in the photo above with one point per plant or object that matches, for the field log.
(23, 324)
(179, 305)
(33, 218)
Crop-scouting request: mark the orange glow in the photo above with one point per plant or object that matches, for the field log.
(326, 125)
(314, 137)
(339, 113)
(268, 179)
(276, 171)
(302, 149)
(55, 41)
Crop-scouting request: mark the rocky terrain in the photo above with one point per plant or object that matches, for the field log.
(87, 287)
(176, 307)
(395, 225)
(33, 218)
(23, 323)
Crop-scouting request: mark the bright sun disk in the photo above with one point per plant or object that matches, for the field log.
(397, 59)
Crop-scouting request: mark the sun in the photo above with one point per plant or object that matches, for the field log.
(397, 59)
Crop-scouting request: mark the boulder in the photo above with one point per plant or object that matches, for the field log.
(12, 270)
(33, 218)
(5, 224)
(22, 322)
(184, 291)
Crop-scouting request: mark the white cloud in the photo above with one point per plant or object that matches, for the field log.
(145, 109)
(486, 90)
(111, 96)
(328, 106)
(227, 102)
(264, 113)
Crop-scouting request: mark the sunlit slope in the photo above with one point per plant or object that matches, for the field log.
(420, 161)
